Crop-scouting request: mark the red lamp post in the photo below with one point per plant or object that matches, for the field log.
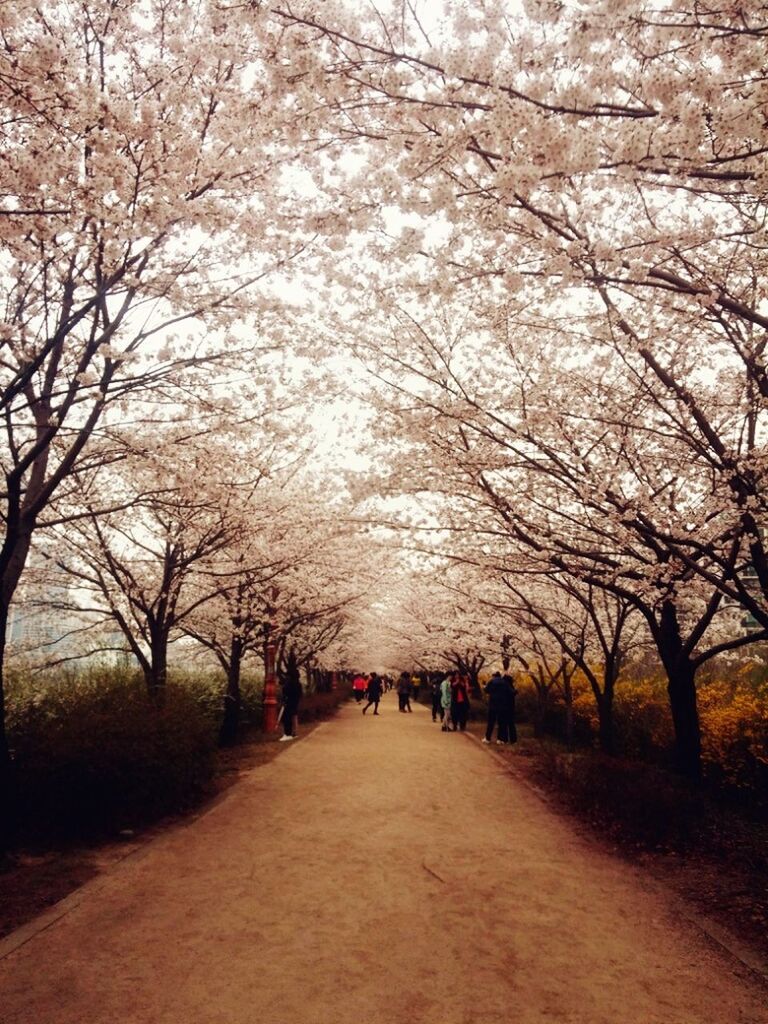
(269, 723)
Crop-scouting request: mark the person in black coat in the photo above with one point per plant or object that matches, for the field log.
(404, 687)
(291, 697)
(501, 697)
(507, 727)
(374, 693)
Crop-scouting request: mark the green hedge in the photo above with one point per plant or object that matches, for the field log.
(100, 754)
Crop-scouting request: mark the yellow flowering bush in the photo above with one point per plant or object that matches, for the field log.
(733, 710)
(734, 726)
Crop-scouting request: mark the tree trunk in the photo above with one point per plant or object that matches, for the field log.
(542, 707)
(156, 675)
(681, 688)
(605, 734)
(506, 657)
(13, 558)
(232, 699)
(568, 700)
(7, 780)
(474, 683)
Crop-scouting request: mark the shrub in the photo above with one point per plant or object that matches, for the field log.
(644, 804)
(100, 754)
(642, 720)
(320, 705)
(734, 723)
(207, 687)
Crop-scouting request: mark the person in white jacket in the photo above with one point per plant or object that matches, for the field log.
(445, 700)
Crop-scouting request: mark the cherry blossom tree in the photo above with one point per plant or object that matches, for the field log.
(145, 198)
(133, 566)
(589, 625)
(289, 577)
(575, 464)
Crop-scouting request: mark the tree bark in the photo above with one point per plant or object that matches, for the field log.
(681, 688)
(13, 558)
(542, 705)
(568, 700)
(232, 699)
(7, 780)
(156, 675)
(605, 733)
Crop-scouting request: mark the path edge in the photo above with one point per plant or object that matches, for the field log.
(712, 931)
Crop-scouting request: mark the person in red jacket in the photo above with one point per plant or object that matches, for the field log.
(459, 702)
(359, 686)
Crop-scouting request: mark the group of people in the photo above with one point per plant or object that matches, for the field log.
(373, 686)
(501, 693)
(450, 700)
(360, 684)
(450, 705)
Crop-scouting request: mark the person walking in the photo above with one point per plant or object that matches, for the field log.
(497, 689)
(374, 693)
(445, 700)
(459, 702)
(291, 698)
(404, 692)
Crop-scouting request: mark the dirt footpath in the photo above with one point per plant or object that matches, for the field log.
(378, 871)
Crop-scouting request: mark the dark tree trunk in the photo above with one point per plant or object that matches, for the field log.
(474, 683)
(13, 558)
(605, 733)
(542, 707)
(506, 657)
(568, 700)
(156, 674)
(7, 781)
(604, 703)
(681, 688)
(232, 699)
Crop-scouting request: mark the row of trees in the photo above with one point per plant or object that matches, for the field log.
(542, 229)
(571, 324)
(153, 209)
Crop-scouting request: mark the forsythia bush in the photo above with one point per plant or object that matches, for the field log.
(642, 720)
(733, 710)
(734, 725)
(207, 688)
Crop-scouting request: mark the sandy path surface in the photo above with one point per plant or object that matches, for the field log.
(378, 871)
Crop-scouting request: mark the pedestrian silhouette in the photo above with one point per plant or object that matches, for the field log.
(404, 692)
(374, 693)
